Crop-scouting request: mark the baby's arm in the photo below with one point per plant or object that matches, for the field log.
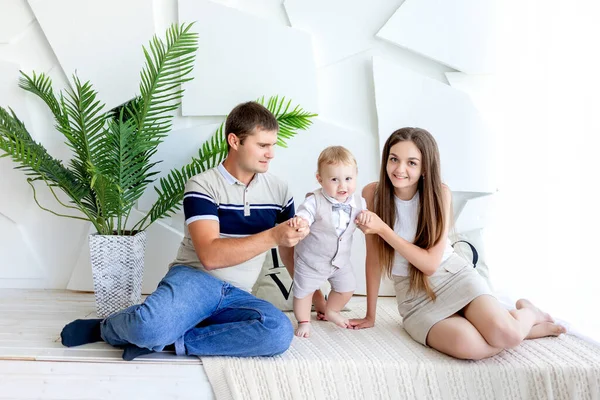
(305, 215)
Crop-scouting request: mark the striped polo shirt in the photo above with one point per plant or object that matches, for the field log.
(240, 210)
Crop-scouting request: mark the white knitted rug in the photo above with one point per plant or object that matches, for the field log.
(385, 363)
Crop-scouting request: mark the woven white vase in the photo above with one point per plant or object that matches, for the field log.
(117, 269)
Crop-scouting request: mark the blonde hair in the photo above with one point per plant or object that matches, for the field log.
(335, 155)
(431, 220)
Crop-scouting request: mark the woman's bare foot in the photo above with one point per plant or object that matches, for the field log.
(540, 315)
(337, 319)
(303, 329)
(545, 329)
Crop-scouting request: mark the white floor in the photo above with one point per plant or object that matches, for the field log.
(34, 364)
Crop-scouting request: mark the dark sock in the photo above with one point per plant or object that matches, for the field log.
(131, 351)
(170, 347)
(81, 331)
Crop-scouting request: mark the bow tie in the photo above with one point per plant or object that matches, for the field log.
(339, 206)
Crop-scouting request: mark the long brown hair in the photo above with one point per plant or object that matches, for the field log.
(431, 223)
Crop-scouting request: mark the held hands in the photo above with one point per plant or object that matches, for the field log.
(287, 235)
(297, 222)
(369, 223)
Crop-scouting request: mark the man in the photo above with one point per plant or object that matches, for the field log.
(234, 214)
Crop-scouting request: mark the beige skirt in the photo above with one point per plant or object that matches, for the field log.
(456, 284)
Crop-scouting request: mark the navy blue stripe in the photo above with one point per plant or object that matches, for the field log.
(233, 222)
(196, 206)
(286, 213)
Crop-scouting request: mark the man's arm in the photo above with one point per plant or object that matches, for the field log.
(215, 252)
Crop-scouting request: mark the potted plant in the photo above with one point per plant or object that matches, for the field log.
(112, 161)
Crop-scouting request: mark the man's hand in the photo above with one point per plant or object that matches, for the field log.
(288, 236)
(297, 222)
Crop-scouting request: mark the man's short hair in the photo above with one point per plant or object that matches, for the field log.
(246, 117)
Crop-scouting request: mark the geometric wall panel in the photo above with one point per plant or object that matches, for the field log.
(459, 33)
(175, 151)
(346, 94)
(11, 96)
(340, 28)
(242, 57)
(15, 16)
(19, 259)
(406, 98)
(476, 214)
(268, 9)
(30, 50)
(482, 89)
(100, 41)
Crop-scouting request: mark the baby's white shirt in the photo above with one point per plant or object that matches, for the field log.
(340, 218)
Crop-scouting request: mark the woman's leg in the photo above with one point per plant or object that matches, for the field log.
(457, 337)
(507, 329)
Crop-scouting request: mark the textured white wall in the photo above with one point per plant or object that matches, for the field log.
(319, 53)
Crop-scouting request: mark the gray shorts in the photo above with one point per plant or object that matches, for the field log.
(307, 279)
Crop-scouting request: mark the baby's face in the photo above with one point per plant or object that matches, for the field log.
(338, 180)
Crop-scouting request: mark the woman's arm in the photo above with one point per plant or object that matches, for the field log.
(372, 271)
(426, 260)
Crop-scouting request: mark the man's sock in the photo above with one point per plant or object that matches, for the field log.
(81, 331)
(131, 351)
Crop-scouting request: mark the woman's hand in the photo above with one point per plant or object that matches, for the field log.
(369, 223)
(362, 323)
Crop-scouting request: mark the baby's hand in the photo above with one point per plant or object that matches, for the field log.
(297, 222)
(369, 222)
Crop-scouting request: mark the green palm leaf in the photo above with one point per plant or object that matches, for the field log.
(167, 67)
(33, 158)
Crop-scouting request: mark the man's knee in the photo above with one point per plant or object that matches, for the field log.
(279, 333)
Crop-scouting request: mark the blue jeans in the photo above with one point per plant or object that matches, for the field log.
(202, 316)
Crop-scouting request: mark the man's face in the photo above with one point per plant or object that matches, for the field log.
(257, 151)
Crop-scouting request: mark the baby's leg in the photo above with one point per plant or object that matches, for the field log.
(335, 302)
(302, 312)
(343, 284)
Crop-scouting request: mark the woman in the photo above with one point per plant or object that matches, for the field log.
(443, 301)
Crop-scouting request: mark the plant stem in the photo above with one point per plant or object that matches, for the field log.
(55, 213)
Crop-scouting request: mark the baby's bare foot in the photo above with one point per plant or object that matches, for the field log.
(545, 329)
(303, 329)
(337, 318)
(540, 315)
(320, 308)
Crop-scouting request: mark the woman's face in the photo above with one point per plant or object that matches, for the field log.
(404, 166)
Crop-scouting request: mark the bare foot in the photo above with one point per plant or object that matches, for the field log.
(320, 308)
(303, 329)
(540, 315)
(545, 329)
(337, 318)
